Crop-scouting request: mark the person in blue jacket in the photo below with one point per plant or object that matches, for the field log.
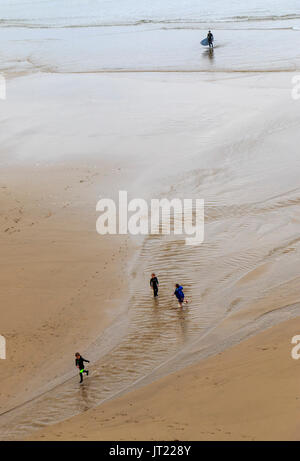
(179, 294)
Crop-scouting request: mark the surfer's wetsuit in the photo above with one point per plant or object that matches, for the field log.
(80, 363)
(210, 39)
(154, 284)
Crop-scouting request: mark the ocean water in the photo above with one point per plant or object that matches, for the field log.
(64, 13)
(142, 35)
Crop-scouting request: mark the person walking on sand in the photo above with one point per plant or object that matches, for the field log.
(154, 284)
(179, 295)
(210, 39)
(79, 362)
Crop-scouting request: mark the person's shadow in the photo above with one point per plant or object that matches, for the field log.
(210, 53)
(84, 397)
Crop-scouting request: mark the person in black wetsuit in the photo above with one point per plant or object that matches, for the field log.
(79, 362)
(210, 39)
(154, 284)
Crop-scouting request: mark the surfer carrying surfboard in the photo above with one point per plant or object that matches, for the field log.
(210, 39)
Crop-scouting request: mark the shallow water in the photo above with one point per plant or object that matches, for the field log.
(156, 338)
(148, 36)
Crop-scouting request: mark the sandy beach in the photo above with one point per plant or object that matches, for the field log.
(61, 286)
(129, 102)
(64, 285)
(217, 399)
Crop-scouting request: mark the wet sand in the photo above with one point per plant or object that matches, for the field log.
(88, 136)
(248, 392)
(61, 286)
